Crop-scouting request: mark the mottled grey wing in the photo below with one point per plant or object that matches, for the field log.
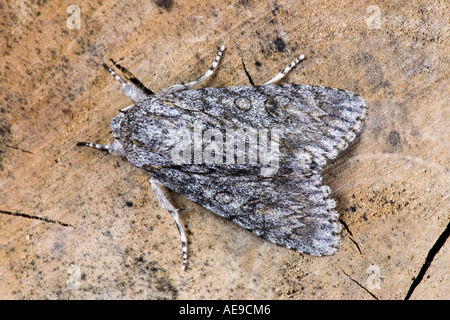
(291, 208)
(317, 122)
(293, 211)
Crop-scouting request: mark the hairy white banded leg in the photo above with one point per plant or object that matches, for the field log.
(281, 75)
(114, 148)
(130, 89)
(187, 86)
(165, 203)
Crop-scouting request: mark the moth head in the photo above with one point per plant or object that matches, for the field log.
(148, 132)
(116, 147)
(115, 125)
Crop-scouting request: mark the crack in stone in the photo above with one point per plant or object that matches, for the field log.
(431, 254)
(28, 216)
(17, 148)
(350, 235)
(359, 284)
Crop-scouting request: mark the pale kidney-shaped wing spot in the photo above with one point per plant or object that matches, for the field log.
(243, 104)
(223, 197)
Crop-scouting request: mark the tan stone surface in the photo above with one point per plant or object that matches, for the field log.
(392, 185)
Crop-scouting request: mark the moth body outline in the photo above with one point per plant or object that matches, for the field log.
(265, 148)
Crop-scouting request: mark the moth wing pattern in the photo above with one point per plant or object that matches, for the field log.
(291, 208)
(292, 211)
(317, 121)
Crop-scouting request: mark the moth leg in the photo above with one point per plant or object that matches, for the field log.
(124, 110)
(113, 148)
(281, 75)
(165, 203)
(131, 90)
(187, 86)
(131, 77)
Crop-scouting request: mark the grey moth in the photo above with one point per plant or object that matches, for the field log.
(251, 154)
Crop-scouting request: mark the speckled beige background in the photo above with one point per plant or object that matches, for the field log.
(392, 185)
